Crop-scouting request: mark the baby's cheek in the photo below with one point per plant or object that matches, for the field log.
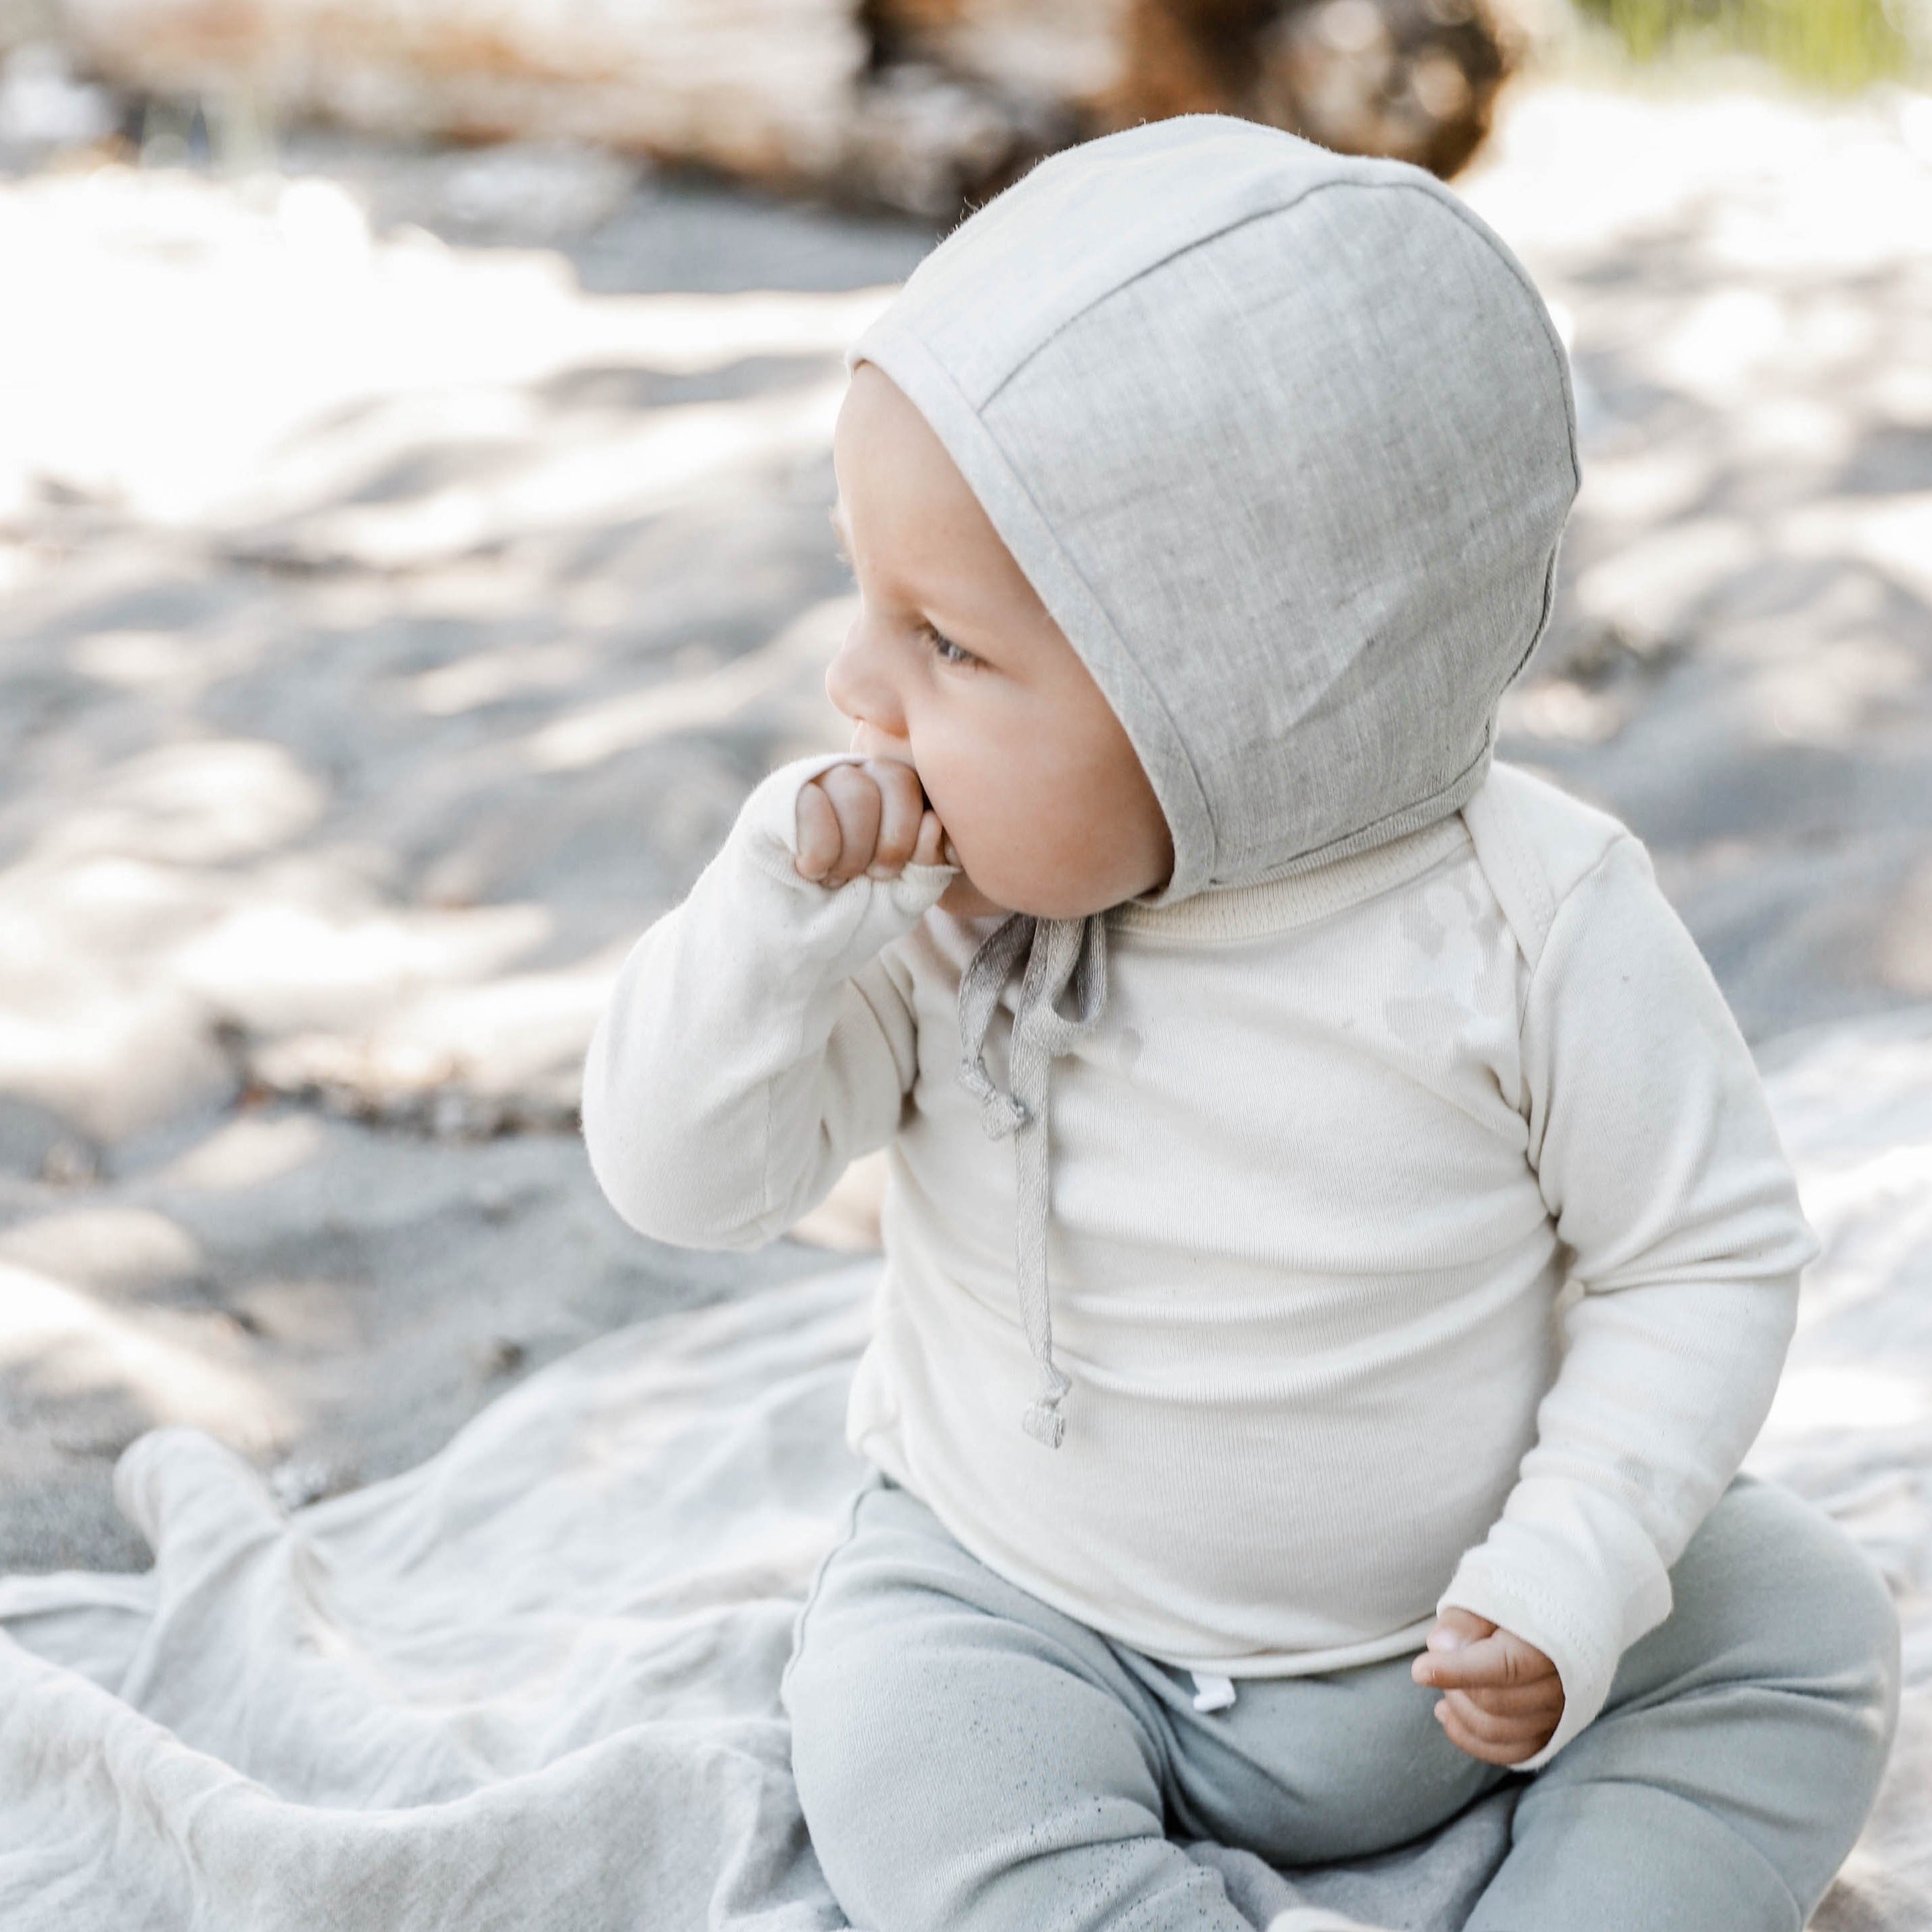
(1032, 826)
(983, 810)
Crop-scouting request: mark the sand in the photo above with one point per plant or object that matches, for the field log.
(409, 562)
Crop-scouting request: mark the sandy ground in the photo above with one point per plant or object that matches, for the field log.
(409, 564)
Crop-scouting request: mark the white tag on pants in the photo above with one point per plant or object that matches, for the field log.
(1212, 1693)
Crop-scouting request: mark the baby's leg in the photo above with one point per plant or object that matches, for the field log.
(969, 1760)
(1739, 1753)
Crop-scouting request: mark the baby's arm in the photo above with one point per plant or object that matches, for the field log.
(1655, 1151)
(754, 1042)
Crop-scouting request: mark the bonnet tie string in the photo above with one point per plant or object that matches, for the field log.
(1060, 954)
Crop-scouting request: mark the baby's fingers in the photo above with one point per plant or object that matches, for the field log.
(818, 837)
(870, 819)
(1491, 1729)
(1494, 1664)
(855, 799)
(930, 847)
(1501, 1740)
(1535, 1699)
(902, 810)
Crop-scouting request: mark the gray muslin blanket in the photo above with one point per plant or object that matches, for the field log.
(532, 1683)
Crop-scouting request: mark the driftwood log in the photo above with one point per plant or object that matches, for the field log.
(1414, 78)
(924, 105)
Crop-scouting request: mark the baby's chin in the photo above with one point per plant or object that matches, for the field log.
(966, 898)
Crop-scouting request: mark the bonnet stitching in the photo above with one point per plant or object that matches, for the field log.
(1125, 651)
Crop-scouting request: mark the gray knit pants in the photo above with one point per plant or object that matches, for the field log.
(970, 1760)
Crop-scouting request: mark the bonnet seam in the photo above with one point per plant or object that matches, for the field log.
(1430, 190)
(1128, 654)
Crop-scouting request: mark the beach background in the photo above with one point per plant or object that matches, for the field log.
(411, 551)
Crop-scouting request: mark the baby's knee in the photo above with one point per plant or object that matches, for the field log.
(835, 1741)
(869, 1763)
(962, 1772)
(1812, 1615)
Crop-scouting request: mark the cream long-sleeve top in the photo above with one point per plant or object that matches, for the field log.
(1420, 1235)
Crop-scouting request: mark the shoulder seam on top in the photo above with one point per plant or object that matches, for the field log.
(1623, 837)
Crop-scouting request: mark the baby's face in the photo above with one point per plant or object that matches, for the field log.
(953, 665)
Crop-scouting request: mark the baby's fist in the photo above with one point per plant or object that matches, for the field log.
(869, 819)
(1502, 1698)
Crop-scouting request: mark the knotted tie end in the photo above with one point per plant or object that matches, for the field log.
(1044, 1422)
(1000, 1114)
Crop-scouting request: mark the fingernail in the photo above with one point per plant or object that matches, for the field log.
(951, 853)
(1445, 1639)
(879, 872)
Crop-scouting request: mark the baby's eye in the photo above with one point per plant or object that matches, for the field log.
(945, 649)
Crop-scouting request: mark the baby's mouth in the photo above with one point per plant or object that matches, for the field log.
(869, 742)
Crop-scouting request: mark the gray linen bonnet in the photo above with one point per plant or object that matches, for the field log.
(1284, 440)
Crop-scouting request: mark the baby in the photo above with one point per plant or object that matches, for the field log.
(1337, 1253)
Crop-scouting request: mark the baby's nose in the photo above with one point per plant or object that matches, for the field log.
(856, 682)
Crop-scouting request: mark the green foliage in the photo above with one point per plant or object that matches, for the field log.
(1838, 43)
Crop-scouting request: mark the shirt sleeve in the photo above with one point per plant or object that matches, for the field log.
(754, 1042)
(1655, 1151)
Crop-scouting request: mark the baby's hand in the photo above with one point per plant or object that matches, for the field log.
(869, 819)
(1503, 1698)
